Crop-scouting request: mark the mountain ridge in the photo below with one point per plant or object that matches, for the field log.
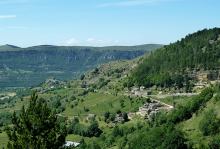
(27, 67)
(8, 47)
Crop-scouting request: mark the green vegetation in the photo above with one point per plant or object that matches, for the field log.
(158, 137)
(202, 119)
(92, 130)
(166, 126)
(36, 127)
(5, 118)
(3, 139)
(172, 65)
(101, 111)
(209, 125)
(97, 104)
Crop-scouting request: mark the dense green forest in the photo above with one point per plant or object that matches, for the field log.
(170, 64)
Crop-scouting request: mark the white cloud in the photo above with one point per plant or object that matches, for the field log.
(95, 41)
(100, 42)
(7, 16)
(91, 40)
(127, 3)
(71, 41)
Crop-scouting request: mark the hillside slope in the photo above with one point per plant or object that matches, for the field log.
(99, 95)
(24, 67)
(177, 63)
(204, 136)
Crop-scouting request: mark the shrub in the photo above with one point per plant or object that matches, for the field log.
(215, 143)
(209, 125)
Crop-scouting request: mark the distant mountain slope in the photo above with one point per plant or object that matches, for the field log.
(23, 67)
(145, 47)
(9, 48)
(172, 64)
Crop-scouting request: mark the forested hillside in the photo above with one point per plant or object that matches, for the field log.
(172, 64)
(98, 111)
(24, 67)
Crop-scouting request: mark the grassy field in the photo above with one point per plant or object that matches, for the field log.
(177, 100)
(191, 126)
(96, 103)
(3, 140)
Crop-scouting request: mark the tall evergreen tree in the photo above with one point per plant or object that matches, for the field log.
(36, 127)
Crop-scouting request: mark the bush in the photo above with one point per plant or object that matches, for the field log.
(117, 132)
(209, 125)
(72, 98)
(217, 97)
(5, 118)
(106, 116)
(86, 109)
(125, 116)
(215, 143)
(158, 137)
(186, 111)
(77, 128)
(82, 77)
(93, 130)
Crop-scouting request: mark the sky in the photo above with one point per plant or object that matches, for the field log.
(103, 22)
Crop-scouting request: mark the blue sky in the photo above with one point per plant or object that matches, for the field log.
(103, 22)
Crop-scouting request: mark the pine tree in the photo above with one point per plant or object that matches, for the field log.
(36, 127)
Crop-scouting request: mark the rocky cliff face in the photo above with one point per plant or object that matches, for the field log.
(30, 66)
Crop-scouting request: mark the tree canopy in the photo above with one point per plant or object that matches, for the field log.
(36, 127)
(170, 65)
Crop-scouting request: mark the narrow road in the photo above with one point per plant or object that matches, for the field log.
(167, 95)
(173, 95)
(162, 103)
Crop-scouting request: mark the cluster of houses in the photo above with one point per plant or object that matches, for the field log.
(138, 91)
(50, 84)
(53, 83)
(149, 109)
